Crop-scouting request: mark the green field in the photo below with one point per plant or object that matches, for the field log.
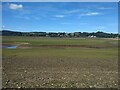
(60, 62)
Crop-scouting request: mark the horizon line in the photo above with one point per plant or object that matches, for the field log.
(62, 31)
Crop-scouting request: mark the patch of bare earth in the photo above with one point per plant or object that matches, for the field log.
(59, 73)
(63, 46)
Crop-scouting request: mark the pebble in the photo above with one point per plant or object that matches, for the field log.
(25, 71)
(7, 82)
(95, 85)
(19, 87)
(37, 85)
(90, 86)
(100, 79)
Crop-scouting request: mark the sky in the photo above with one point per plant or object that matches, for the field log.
(60, 16)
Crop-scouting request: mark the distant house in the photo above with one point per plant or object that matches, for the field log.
(92, 36)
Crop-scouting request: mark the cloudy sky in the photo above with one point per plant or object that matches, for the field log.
(60, 16)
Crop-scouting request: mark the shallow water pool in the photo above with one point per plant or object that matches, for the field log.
(9, 47)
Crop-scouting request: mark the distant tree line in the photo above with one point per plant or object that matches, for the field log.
(61, 34)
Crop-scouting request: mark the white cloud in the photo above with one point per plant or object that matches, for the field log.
(60, 16)
(3, 26)
(22, 17)
(72, 11)
(103, 8)
(15, 6)
(100, 28)
(91, 14)
(73, 23)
